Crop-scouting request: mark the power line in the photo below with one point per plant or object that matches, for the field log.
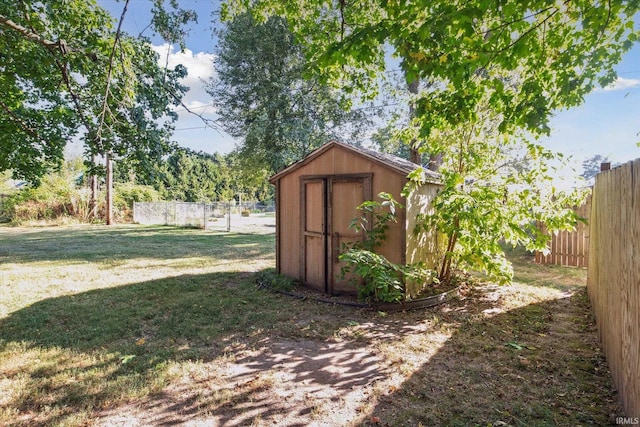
(194, 108)
(192, 128)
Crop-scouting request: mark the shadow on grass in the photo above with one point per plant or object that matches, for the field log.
(537, 365)
(96, 350)
(98, 243)
(213, 346)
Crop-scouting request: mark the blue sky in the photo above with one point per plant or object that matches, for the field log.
(608, 123)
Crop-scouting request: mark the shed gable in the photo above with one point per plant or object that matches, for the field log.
(355, 156)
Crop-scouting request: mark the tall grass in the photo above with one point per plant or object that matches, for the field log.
(60, 200)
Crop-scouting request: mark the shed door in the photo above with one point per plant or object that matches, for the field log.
(315, 233)
(346, 195)
(330, 204)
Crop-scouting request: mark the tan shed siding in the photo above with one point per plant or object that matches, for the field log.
(393, 248)
(335, 161)
(424, 246)
(278, 223)
(289, 216)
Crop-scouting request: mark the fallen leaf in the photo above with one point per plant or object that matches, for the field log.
(514, 345)
(128, 358)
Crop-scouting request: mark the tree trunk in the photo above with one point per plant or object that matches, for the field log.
(414, 154)
(445, 270)
(435, 161)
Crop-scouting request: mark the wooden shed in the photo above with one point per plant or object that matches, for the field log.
(317, 198)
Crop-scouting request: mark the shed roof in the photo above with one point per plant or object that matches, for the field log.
(395, 163)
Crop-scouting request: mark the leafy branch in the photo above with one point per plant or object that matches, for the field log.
(383, 280)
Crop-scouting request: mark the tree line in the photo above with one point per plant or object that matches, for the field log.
(185, 175)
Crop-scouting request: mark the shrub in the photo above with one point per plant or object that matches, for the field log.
(127, 193)
(273, 280)
(56, 198)
(384, 281)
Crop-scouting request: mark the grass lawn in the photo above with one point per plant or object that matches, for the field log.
(132, 325)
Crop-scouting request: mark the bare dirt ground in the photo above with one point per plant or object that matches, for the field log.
(514, 355)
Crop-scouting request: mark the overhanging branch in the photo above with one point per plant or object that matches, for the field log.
(60, 45)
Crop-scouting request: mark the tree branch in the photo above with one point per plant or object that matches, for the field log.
(210, 123)
(60, 45)
(105, 103)
(20, 122)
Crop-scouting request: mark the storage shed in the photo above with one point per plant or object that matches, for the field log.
(317, 198)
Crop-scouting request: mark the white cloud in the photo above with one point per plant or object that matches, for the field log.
(200, 68)
(622, 84)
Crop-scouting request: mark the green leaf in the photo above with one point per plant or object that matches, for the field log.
(514, 345)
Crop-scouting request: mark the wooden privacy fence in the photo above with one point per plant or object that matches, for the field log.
(614, 276)
(569, 248)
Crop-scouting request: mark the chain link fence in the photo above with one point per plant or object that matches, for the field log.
(250, 217)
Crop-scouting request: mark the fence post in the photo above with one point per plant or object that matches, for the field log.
(204, 216)
(166, 213)
(228, 216)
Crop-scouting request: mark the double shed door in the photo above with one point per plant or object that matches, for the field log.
(329, 204)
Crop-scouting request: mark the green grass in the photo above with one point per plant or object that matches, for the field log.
(92, 315)
(549, 275)
(96, 319)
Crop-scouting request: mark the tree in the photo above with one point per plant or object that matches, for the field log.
(192, 176)
(264, 99)
(248, 177)
(386, 140)
(491, 70)
(556, 51)
(67, 73)
(496, 189)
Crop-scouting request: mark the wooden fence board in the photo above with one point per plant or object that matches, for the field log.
(613, 280)
(569, 248)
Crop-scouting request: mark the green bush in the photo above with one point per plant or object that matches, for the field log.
(383, 281)
(273, 280)
(124, 196)
(55, 200)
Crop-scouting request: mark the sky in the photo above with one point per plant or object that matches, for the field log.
(607, 123)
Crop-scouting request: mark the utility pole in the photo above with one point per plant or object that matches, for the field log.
(94, 188)
(109, 190)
